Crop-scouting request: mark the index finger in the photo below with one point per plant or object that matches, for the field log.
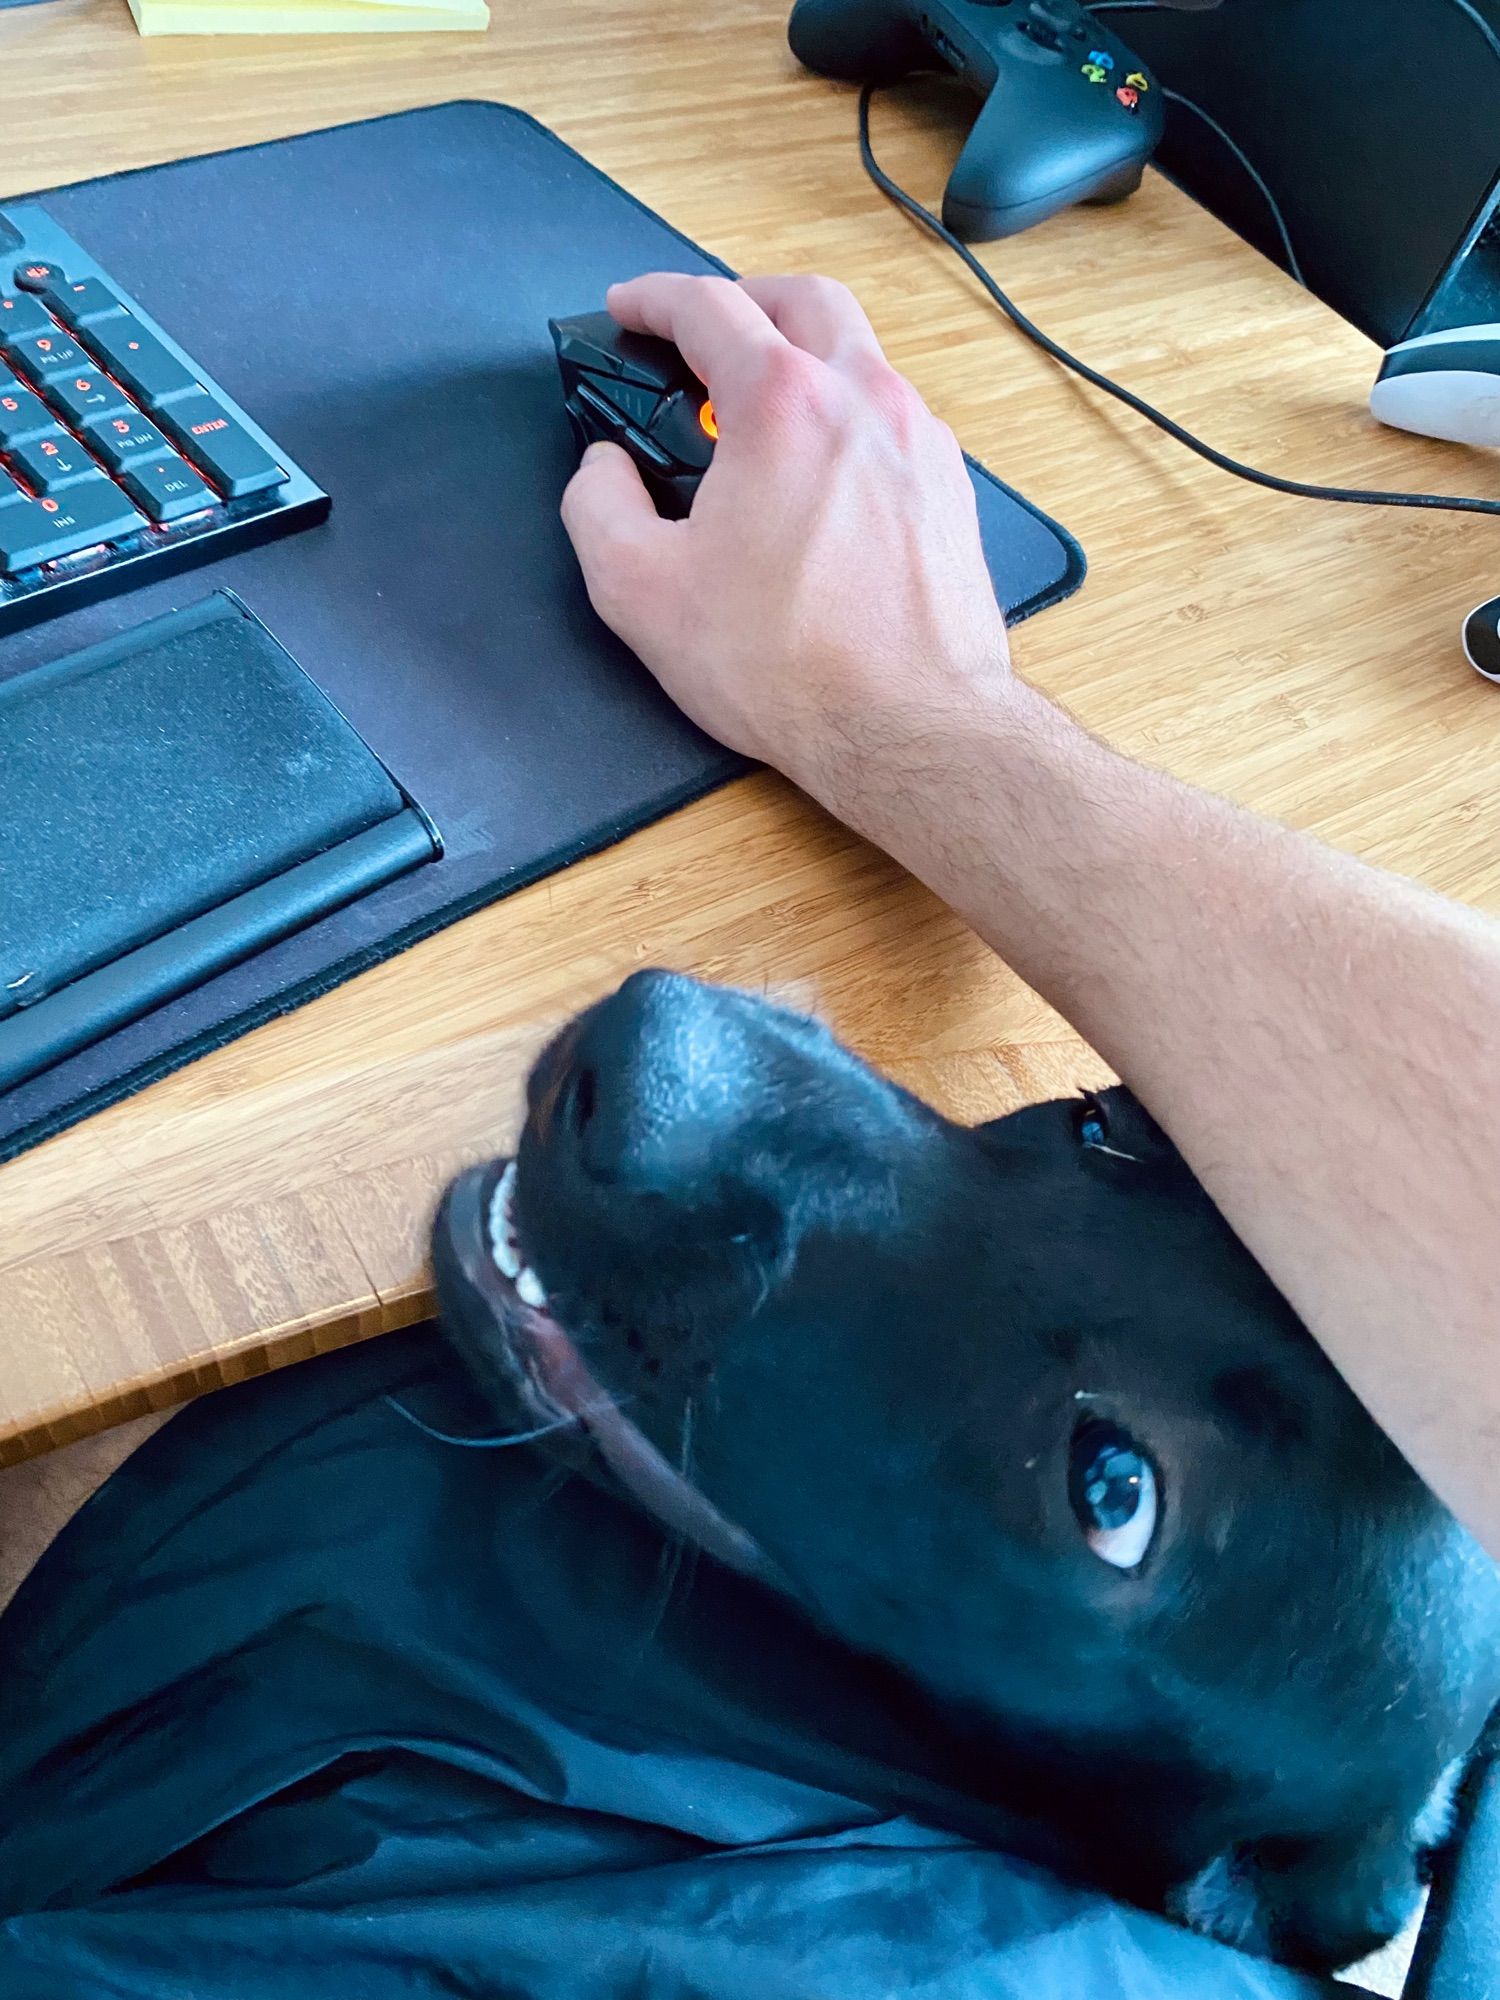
(720, 331)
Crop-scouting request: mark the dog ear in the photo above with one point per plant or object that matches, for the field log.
(1317, 1905)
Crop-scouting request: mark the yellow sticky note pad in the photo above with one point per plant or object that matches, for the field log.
(306, 17)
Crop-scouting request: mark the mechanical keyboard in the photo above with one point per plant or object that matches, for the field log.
(121, 460)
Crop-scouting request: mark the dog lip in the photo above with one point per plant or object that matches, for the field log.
(634, 1460)
(551, 1372)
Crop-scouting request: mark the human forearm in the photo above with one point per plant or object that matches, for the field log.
(1318, 1038)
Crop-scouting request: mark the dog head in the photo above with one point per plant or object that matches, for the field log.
(1012, 1409)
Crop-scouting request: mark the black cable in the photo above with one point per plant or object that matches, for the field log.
(1272, 204)
(1355, 496)
(1176, 97)
(1465, 7)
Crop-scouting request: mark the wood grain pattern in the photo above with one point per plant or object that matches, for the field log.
(272, 1200)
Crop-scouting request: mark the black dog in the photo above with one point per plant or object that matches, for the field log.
(1013, 1410)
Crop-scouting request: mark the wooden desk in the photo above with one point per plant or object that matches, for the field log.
(271, 1201)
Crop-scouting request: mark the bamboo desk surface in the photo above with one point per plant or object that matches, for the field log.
(271, 1201)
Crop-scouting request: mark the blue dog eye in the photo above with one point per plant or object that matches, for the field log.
(1112, 1485)
(1093, 1126)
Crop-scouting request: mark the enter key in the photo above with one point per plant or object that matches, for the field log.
(220, 445)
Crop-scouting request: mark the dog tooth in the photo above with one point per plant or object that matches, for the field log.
(503, 1245)
(529, 1289)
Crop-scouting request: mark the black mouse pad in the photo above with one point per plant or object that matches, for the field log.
(377, 297)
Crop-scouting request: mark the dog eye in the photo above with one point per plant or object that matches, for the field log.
(1112, 1485)
(1091, 1124)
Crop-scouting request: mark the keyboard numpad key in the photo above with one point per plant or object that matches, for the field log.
(167, 488)
(21, 315)
(53, 461)
(23, 414)
(42, 355)
(126, 435)
(40, 531)
(222, 447)
(81, 301)
(87, 394)
(147, 366)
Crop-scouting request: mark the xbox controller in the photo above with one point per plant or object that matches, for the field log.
(1069, 113)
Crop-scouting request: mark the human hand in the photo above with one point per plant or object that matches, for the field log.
(828, 587)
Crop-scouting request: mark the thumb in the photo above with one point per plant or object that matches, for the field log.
(614, 527)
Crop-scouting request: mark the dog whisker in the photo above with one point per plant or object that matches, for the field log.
(675, 1548)
(559, 1477)
(566, 1422)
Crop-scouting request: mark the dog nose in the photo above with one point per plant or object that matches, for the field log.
(653, 1085)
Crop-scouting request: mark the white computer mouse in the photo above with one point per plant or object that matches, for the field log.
(1482, 639)
(1443, 385)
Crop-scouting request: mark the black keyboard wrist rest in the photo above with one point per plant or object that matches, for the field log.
(75, 1015)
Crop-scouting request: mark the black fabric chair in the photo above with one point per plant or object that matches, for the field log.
(307, 1695)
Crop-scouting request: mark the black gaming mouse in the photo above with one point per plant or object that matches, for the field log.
(633, 390)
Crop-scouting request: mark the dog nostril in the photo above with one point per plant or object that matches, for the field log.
(580, 1101)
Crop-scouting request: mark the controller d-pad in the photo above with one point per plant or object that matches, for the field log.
(1047, 23)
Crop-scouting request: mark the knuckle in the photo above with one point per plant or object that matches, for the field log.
(899, 405)
(823, 290)
(712, 285)
(891, 391)
(797, 388)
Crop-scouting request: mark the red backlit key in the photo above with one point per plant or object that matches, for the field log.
(86, 393)
(167, 488)
(81, 301)
(40, 531)
(22, 414)
(148, 369)
(20, 316)
(41, 355)
(52, 461)
(124, 436)
(221, 446)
